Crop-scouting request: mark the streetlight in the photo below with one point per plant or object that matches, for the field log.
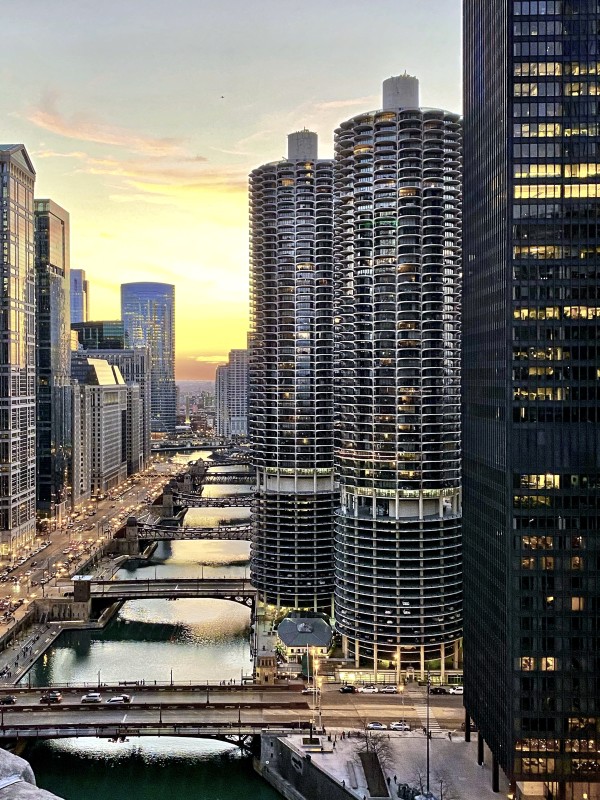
(427, 730)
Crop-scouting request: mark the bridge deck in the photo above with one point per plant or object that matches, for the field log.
(238, 590)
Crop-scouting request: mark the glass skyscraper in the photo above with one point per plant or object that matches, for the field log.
(531, 329)
(398, 593)
(17, 351)
(290, 376)
(148, 313)
(53, 358)
(80, 296)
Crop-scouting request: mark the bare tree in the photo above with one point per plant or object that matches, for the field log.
(376, 742)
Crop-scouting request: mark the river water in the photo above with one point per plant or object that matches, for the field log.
(182, 640)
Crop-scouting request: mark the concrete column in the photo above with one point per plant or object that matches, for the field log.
(422, 662)
(455, 660)
(345, 645)
(356, 653)
(442, 662)
(480, 744)
(495, 775)
(398, 665)
(375, 663)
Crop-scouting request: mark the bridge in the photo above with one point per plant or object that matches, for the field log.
(236, 714)
(211, 478)
(238, 590)
(196, 501)
(165, 533)
(185, 447)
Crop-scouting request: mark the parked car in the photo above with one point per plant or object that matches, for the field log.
(347, 688)
(92, 697)
(399, 726)
(369, 689)
(53, 696)
(439, 690)
(119, 699)
(389, 689)
(456, 690)
(8, 700)
(310, 690)
(376, 726)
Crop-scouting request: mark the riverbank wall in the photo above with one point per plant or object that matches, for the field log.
(288, 767)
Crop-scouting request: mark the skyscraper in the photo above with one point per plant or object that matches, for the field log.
(17, 352)
(290, 374)
(100, 334)
(148, 313)
(397, 248)
(53, 358)
(80, 295)
(531, 354)
(231, 395)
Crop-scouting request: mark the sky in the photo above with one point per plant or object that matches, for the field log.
(143, 119)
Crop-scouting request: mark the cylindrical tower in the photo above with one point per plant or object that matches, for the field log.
(290, 376)
(397, 247)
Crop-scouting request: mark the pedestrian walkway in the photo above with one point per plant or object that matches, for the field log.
(421, 712)
(17, 659)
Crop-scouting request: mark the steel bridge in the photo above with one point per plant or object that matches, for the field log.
(238, 590)
(165, 533)
(196, 501)
(211, 478)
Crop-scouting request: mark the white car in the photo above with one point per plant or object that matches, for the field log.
(119, 699)
(399, 726)
(456, 690)
(376, 726)
(368, 690)
(389, 689)
(92, 697)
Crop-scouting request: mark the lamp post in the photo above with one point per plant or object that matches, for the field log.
(427, 730)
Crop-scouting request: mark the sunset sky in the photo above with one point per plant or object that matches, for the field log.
(144, 117)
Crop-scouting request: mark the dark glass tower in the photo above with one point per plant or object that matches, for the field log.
(53, 358)
(290, 376)
(148, 313)
(531, 328)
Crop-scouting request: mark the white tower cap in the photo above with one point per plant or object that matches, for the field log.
(303, 146)
(400, 91)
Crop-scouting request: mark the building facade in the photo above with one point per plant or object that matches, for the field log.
(148, 313)
(53, 360)
(17, 352)
(291, 400)
(80, 294)
(531, 352)
(231, 395)
(398, 528)
(100, 335)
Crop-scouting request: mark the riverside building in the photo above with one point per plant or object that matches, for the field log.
(17, 352)
(231, 395)
(80, 296)
(290, 375)
(398, 574)
(531, 392)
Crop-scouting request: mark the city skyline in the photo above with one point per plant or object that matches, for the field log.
(115, 138)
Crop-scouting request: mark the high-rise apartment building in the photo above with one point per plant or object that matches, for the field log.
(531, 393)
(53, 359)
(398, 575)
(231, 395)
(80, 295)
(148, 313)
(17, 351)
(290, 368)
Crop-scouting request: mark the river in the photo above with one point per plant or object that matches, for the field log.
(182, 640)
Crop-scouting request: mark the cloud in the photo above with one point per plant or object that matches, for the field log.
(212, 359)
(369, 101)
(86, 129)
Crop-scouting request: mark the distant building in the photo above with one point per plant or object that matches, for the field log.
(80, 294)
(148, 313)
(100, 335)
(17, 352)
(81, 457)
(53, 357)
(231, 388)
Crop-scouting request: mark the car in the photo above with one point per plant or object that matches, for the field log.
(310, 690)
(389, 689)
(456, 690)
(92, 697)
(369, 690)
(399, 726)
(8, 700)
(439, 690)
(119, 699)
(376, 726)
(53, 696)
(347, 688)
